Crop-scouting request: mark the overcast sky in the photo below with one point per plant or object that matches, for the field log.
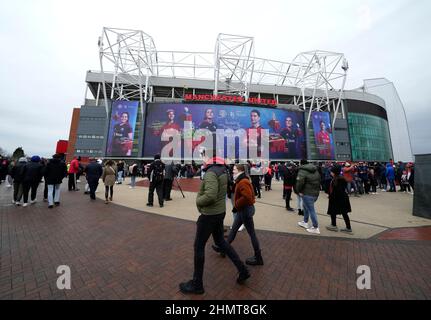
(47, 47)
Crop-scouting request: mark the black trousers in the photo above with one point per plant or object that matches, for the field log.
(256, 186)
(45, 191)
(367, 186)
(17, 191)
(27, 186)
(405, 187)
(208, 225)
(345, 217)
(93, 187)
(245, 217)
(158, 186)
(288, 195)
(72, 181)
(167, 188)
(110, 190)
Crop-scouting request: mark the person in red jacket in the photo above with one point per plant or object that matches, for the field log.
(244, 199)
(348, 174)
(73, 171)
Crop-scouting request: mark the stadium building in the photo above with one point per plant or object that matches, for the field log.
(140, 91)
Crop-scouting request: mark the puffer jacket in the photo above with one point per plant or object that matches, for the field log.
(211, 198)
(308, 180)
(243, 192)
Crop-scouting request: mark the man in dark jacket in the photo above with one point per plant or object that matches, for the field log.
(308, 187)
(170, 174)
(93, 172)
(18, 174)
(211, 203)
(32, 178)
(55, 171)
(156, 173)
(289, 179)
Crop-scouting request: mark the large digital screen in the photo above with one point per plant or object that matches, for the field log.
(286, 128)
(322, 129)
(122, 129)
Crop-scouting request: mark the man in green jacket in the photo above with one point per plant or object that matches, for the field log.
(211, 203)
(308, 187)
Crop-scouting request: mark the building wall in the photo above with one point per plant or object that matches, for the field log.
(422, 197)
(342, 140)
(369, 137)
(91, 133)
(73, 134)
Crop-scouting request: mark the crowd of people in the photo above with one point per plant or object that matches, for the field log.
(242, 183)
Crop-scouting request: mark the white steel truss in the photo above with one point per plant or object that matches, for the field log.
(131, 58)
(320, 71)
(233, 64)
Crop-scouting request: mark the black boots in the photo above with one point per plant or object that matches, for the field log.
(257, 260)
(300, 212)
(191, 287)
(243, 275)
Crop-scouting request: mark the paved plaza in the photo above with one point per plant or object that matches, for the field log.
(126, 250)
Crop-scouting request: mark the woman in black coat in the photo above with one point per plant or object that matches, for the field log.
(339, 202)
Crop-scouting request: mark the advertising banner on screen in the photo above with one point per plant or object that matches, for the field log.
(122, 129)
(323, 135)
(285, 128)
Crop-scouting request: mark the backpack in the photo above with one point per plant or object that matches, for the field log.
(158, 171)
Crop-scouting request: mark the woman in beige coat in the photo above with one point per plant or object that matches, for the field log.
(108, 177)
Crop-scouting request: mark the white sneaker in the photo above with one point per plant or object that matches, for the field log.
(9, 186)
(25, 204)
(303, 224)
(17, 203)
(313, 230)
(33, 201)
(13, 201)
(78, 180)
(241, 228)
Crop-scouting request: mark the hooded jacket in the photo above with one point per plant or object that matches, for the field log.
(18, 171)
(308, 180)
(33, 172)
(74, 166)
(55, 171)
(211, 198)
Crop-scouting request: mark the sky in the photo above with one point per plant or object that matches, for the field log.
(48, 46)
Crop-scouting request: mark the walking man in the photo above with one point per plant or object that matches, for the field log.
(211, 203)
(55, 171)
(93, 172)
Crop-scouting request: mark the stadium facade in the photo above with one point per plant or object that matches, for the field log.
(150, 89)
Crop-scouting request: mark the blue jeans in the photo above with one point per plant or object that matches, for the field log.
(53, 193)
(133, 181)
(392, 184)
(120, 176)
(308, 202)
